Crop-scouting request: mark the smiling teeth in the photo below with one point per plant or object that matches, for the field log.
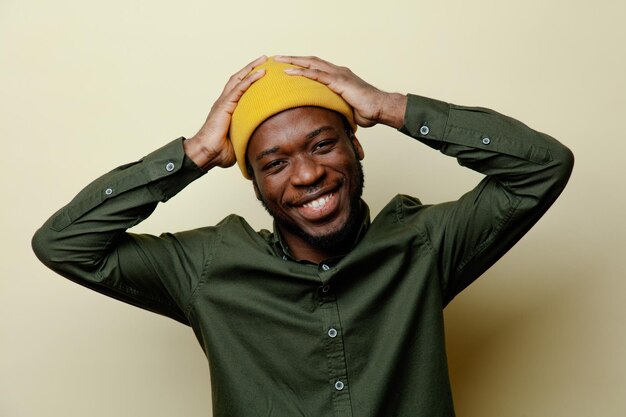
(319, 202)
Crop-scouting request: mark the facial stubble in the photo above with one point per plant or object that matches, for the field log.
(337, 241)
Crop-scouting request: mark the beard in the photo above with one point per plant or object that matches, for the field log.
(336, 240)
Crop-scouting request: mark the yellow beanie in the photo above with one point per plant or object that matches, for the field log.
(275, 92)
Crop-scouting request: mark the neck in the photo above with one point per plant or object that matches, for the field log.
(304, 251)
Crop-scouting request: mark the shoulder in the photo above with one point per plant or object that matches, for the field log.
(402, 209)
(233, 234)
(409, 213)
(235, 230)
(232, 225)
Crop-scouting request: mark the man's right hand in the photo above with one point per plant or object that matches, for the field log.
(210, 147)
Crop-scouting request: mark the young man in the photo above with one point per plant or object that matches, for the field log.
(331, 314)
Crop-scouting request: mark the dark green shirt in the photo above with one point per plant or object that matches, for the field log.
(361, 335)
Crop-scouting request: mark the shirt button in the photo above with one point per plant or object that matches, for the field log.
(169, 167)
(424, 130)
(325, 288)
(325, 267)
(108, 191)
(486, 141)
(332, 332)
(339, 385)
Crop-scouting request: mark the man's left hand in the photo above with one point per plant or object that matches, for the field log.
(371, 105)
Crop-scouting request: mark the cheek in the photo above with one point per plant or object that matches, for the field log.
(268, 192)
(348, 162)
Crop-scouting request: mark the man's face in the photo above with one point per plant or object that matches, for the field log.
(308, 175)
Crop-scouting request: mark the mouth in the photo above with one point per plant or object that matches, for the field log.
(316, 196)
(319, 202)
(319, 208)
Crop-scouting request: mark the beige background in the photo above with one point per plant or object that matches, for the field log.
(86, 86)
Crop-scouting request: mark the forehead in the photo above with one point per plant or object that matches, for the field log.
(291, 127)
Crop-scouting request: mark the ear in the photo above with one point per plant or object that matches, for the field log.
(357, 147)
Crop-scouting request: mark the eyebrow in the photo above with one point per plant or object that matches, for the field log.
(316, 132)
(309, 136)
(267, 152)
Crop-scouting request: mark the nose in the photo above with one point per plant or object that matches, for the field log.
(306, 172)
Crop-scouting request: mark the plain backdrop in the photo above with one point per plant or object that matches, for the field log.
(86, 86)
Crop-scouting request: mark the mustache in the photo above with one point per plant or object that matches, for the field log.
(321, 188)
(310, 190)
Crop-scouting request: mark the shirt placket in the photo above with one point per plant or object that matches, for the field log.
(335, 353)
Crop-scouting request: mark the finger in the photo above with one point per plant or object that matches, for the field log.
(242, 73)
(242, 86)
(312, 73)
(312, 62)
(248, 68)
(251, 79)
(336, 82)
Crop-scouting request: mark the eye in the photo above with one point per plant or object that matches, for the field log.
(324, 145)
(274, 166)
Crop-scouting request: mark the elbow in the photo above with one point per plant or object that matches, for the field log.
(67, 252)
(51, 249)
(42, 245)
(563, 161)
(55, 253)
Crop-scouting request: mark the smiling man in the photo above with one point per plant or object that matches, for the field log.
(331, 313)
(307, 172)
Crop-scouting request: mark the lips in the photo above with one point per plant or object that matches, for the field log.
(319, 208)
(317, 193)
(320, 202)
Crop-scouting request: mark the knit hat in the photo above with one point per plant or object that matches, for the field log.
(273, 93)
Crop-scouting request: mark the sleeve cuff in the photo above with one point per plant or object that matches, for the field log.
(436, 124)
(426, 119)
(169, 170)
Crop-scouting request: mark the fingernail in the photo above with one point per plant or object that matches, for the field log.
(290, 70)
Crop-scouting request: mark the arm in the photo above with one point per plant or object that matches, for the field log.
(86, 241)
(525, 170)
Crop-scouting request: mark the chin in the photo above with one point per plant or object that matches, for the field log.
(339, 234)
(333, 238)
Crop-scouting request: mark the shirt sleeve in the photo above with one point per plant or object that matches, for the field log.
(86, 241)
(525, 171)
